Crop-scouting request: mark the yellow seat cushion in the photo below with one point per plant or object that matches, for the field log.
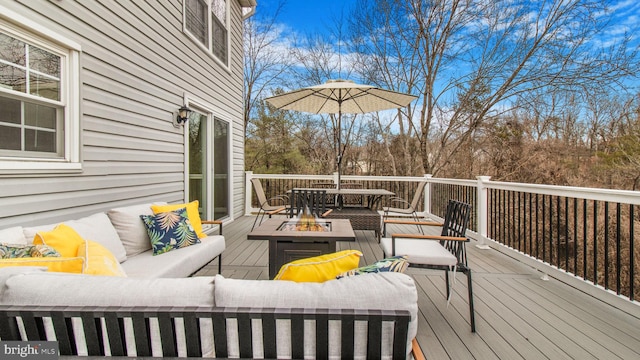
(57, 264)
(320, 268)
(62, 238)
(192, 213)
(99, 260)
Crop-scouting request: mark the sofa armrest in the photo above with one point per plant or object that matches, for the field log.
(213, 222)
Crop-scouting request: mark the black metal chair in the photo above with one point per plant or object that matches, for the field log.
(312, 200)
(447, 252)
(266, 208)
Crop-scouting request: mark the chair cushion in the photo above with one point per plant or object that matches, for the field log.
(420, 251)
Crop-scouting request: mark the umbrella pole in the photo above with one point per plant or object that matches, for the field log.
(339, 145)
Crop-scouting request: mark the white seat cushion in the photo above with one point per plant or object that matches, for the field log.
(420, 251)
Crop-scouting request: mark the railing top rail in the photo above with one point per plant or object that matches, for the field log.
(610, 195)
(619, 196)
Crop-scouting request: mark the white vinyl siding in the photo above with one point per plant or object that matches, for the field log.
(137, 65)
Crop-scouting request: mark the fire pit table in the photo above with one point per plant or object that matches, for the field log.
(290, 240)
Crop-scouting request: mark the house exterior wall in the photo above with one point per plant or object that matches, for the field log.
(137, 67)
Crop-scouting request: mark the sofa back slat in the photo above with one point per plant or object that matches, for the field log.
(100, 324)
(192, 334)
(322, 335)
(115, 329)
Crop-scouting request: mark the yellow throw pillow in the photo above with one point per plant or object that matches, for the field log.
(99, 260)
(192, 213)
(57, 264)
(320, 268)
(62, 238)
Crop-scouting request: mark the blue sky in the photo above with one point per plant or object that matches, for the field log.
(307, 16)
(313, 16)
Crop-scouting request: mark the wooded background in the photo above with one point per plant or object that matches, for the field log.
(532, 92)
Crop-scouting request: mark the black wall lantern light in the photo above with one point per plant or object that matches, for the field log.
(182, 117)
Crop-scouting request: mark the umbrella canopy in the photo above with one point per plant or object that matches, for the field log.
(337, 97)
(340, 96)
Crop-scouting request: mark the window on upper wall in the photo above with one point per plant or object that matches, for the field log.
(207, 22)
(38, 89)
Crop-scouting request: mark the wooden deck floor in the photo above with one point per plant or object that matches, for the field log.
(518, 315)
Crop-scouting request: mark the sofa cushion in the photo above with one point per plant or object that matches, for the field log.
(181, 263)
(382, 291)
(58, 289)
(130, 229)
(98, 260)
(13, 235)
(7, 272)
(55, 264)
(96, 227)
(390, 264)
(62, 238)
(13, 251)
(192, 212)
(169, 231)
(320, 268)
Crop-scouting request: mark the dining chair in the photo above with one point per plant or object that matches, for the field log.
(313, 200)
(446, 251)
(400, 206)
(266, 207)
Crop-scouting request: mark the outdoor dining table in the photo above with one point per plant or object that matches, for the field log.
(373, 196)
(365, 217)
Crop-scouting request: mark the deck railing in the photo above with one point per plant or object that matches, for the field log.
(587, 233)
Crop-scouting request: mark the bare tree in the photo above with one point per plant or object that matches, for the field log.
(266, 59)
(471, 61)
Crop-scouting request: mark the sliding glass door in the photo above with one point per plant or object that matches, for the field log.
(209, 170)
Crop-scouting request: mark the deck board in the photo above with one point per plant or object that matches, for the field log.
(518, 315)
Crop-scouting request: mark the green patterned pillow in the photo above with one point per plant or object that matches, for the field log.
(169, 231)
(391, 264)
(14, 251)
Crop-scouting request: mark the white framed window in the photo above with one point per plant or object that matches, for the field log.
(207, 21)
(39, 96)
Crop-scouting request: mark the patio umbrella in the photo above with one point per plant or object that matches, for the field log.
(338, 97)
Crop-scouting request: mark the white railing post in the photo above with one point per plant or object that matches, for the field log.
(335, 179)
(427, 195)
(481, 211)
(247, 192)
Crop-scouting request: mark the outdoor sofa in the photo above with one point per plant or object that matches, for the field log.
(157, 310)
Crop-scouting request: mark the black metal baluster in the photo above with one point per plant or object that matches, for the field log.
(606, 245)
(618, 230)
(519, 230)
(595, 242)
(585, 250)
(631, 251)
(566, 234)
(544, 225)
(575, 236)
(537, 229)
